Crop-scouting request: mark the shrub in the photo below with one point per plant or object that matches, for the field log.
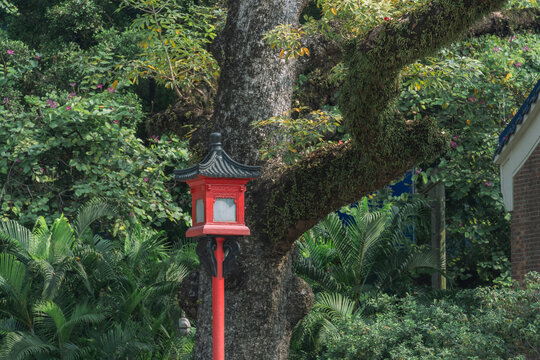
(67, 148)
(487, 323)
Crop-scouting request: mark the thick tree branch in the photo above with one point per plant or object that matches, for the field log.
(383, 146)
(291, 200)
(326, 53)
(324, 50)
(507, 22)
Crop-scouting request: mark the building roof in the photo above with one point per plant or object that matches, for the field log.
(218, 163)
(518, 118)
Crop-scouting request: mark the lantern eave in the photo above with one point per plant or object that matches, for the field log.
(218, 164)
(218, 229)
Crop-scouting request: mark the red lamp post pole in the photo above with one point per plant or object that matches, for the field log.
(217, 188)
(218, 304)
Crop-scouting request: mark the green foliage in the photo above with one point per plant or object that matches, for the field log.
(68, 293)
(8, 7)
(368, 251)
(337, 20)
(305, 132)
(174, 48)
(473, 89)
(45, 25)
(487, 323)
(69, 147)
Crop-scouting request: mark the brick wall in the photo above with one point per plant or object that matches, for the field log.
(525, 218)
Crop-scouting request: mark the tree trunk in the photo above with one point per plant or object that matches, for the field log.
(263, 299)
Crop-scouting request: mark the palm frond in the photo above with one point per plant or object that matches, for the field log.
(338, 235)
(12, 232)
(46, 311)
(90, 212)
(83, 313)
(315, 275)
(12, 275)
(62, 238)
(10, 324)
(22, 346)
(334, 305)
(120, 343)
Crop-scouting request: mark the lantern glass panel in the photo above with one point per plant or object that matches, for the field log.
(224, 210)
(199, 211)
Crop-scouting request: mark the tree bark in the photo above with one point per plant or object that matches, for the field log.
(263, 298)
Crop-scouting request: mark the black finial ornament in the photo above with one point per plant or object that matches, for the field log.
(215, 141)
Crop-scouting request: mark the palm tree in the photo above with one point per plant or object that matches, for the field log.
(368, 252)
(347, 261)
(67, 293)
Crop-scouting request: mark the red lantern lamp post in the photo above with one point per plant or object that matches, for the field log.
(217, 187)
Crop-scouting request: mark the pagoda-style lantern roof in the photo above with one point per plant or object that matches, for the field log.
(218, 164)
(217, 187)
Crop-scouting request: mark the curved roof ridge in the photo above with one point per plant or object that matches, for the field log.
(217, 163)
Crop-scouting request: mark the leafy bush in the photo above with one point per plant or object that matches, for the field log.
(67, 148)
(487, 323)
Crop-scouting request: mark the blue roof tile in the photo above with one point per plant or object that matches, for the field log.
(518, 118)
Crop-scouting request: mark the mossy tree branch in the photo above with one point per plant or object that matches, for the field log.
(325, 53)
(290, 200)
(507, 22)
(384, 146)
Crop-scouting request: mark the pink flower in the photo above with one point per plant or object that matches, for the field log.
(71, 94)
(146, 179)
(6, 100)
(41, 170)
(110, 89)
(518, 64)
(418, 171)
(511, 38)
(526, 48)
(116, 121)
(72, 84)
(10, 52)
(68, 107)
(131, 213)
(99, 86)
(488, 184)
(456, 138)
(340, 142)
(460, 224)
(52, 104)
(386, 18)
(496, 49)
(37, 57)
(453, 144)
(472, 99)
